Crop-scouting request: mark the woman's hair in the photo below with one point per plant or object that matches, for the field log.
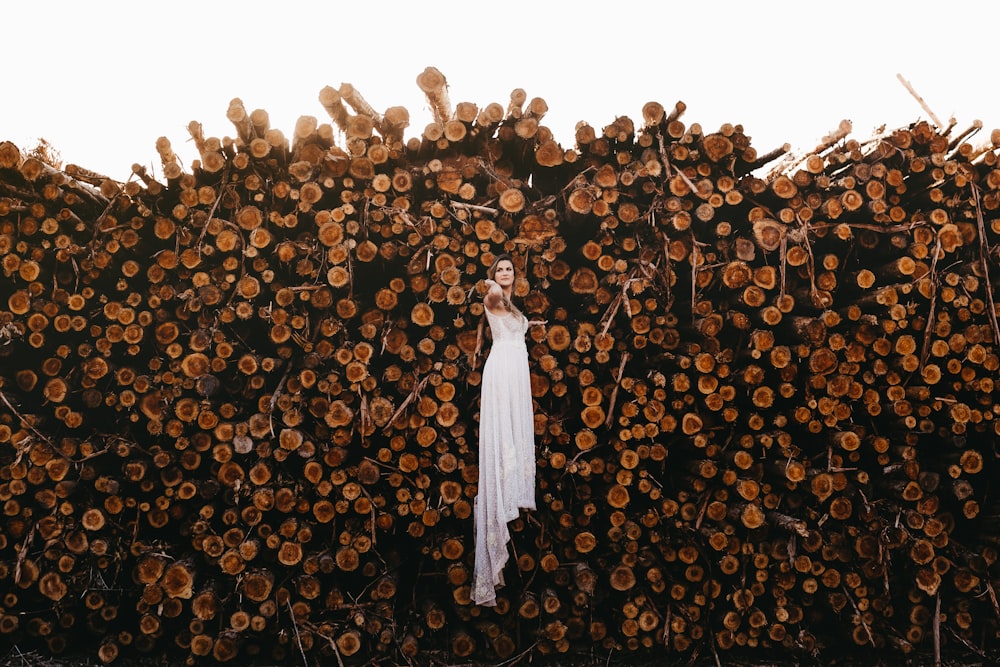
(504, 257)
(492, 271)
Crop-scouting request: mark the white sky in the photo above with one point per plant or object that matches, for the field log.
(101, 81)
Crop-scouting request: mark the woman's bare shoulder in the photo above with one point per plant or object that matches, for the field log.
(498, 312)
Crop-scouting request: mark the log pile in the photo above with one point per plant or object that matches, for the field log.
(238, 402)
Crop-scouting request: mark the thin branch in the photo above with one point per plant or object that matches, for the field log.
(614, 392)
(414, 395)
(474, 207)
(929, 329)
(27, 423)
(985, 264)
(937, 630)
(295, 626)
(861, 618)
(920, 101)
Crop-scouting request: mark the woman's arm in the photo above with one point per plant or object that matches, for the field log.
(494, 295)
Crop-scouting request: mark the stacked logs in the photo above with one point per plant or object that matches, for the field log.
(238, 403)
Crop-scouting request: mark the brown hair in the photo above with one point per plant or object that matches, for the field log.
(492, 270)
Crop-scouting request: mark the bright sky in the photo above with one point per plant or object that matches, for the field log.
(101, 81)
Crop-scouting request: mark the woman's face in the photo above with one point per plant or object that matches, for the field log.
(503, 274)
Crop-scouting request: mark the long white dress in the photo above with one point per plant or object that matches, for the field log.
(506, 451)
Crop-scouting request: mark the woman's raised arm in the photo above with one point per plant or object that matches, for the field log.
(494, 295)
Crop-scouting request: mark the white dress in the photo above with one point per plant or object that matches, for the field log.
(506, 451)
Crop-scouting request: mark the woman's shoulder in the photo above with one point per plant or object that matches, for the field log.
(497, 312)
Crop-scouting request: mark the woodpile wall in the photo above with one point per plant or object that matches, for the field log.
(238, 403)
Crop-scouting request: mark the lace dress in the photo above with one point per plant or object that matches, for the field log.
(506, 451)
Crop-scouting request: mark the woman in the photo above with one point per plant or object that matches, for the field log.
(506, 433)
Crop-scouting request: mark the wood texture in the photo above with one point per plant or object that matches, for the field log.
(238, 402)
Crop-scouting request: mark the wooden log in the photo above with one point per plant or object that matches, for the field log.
(434, 86)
